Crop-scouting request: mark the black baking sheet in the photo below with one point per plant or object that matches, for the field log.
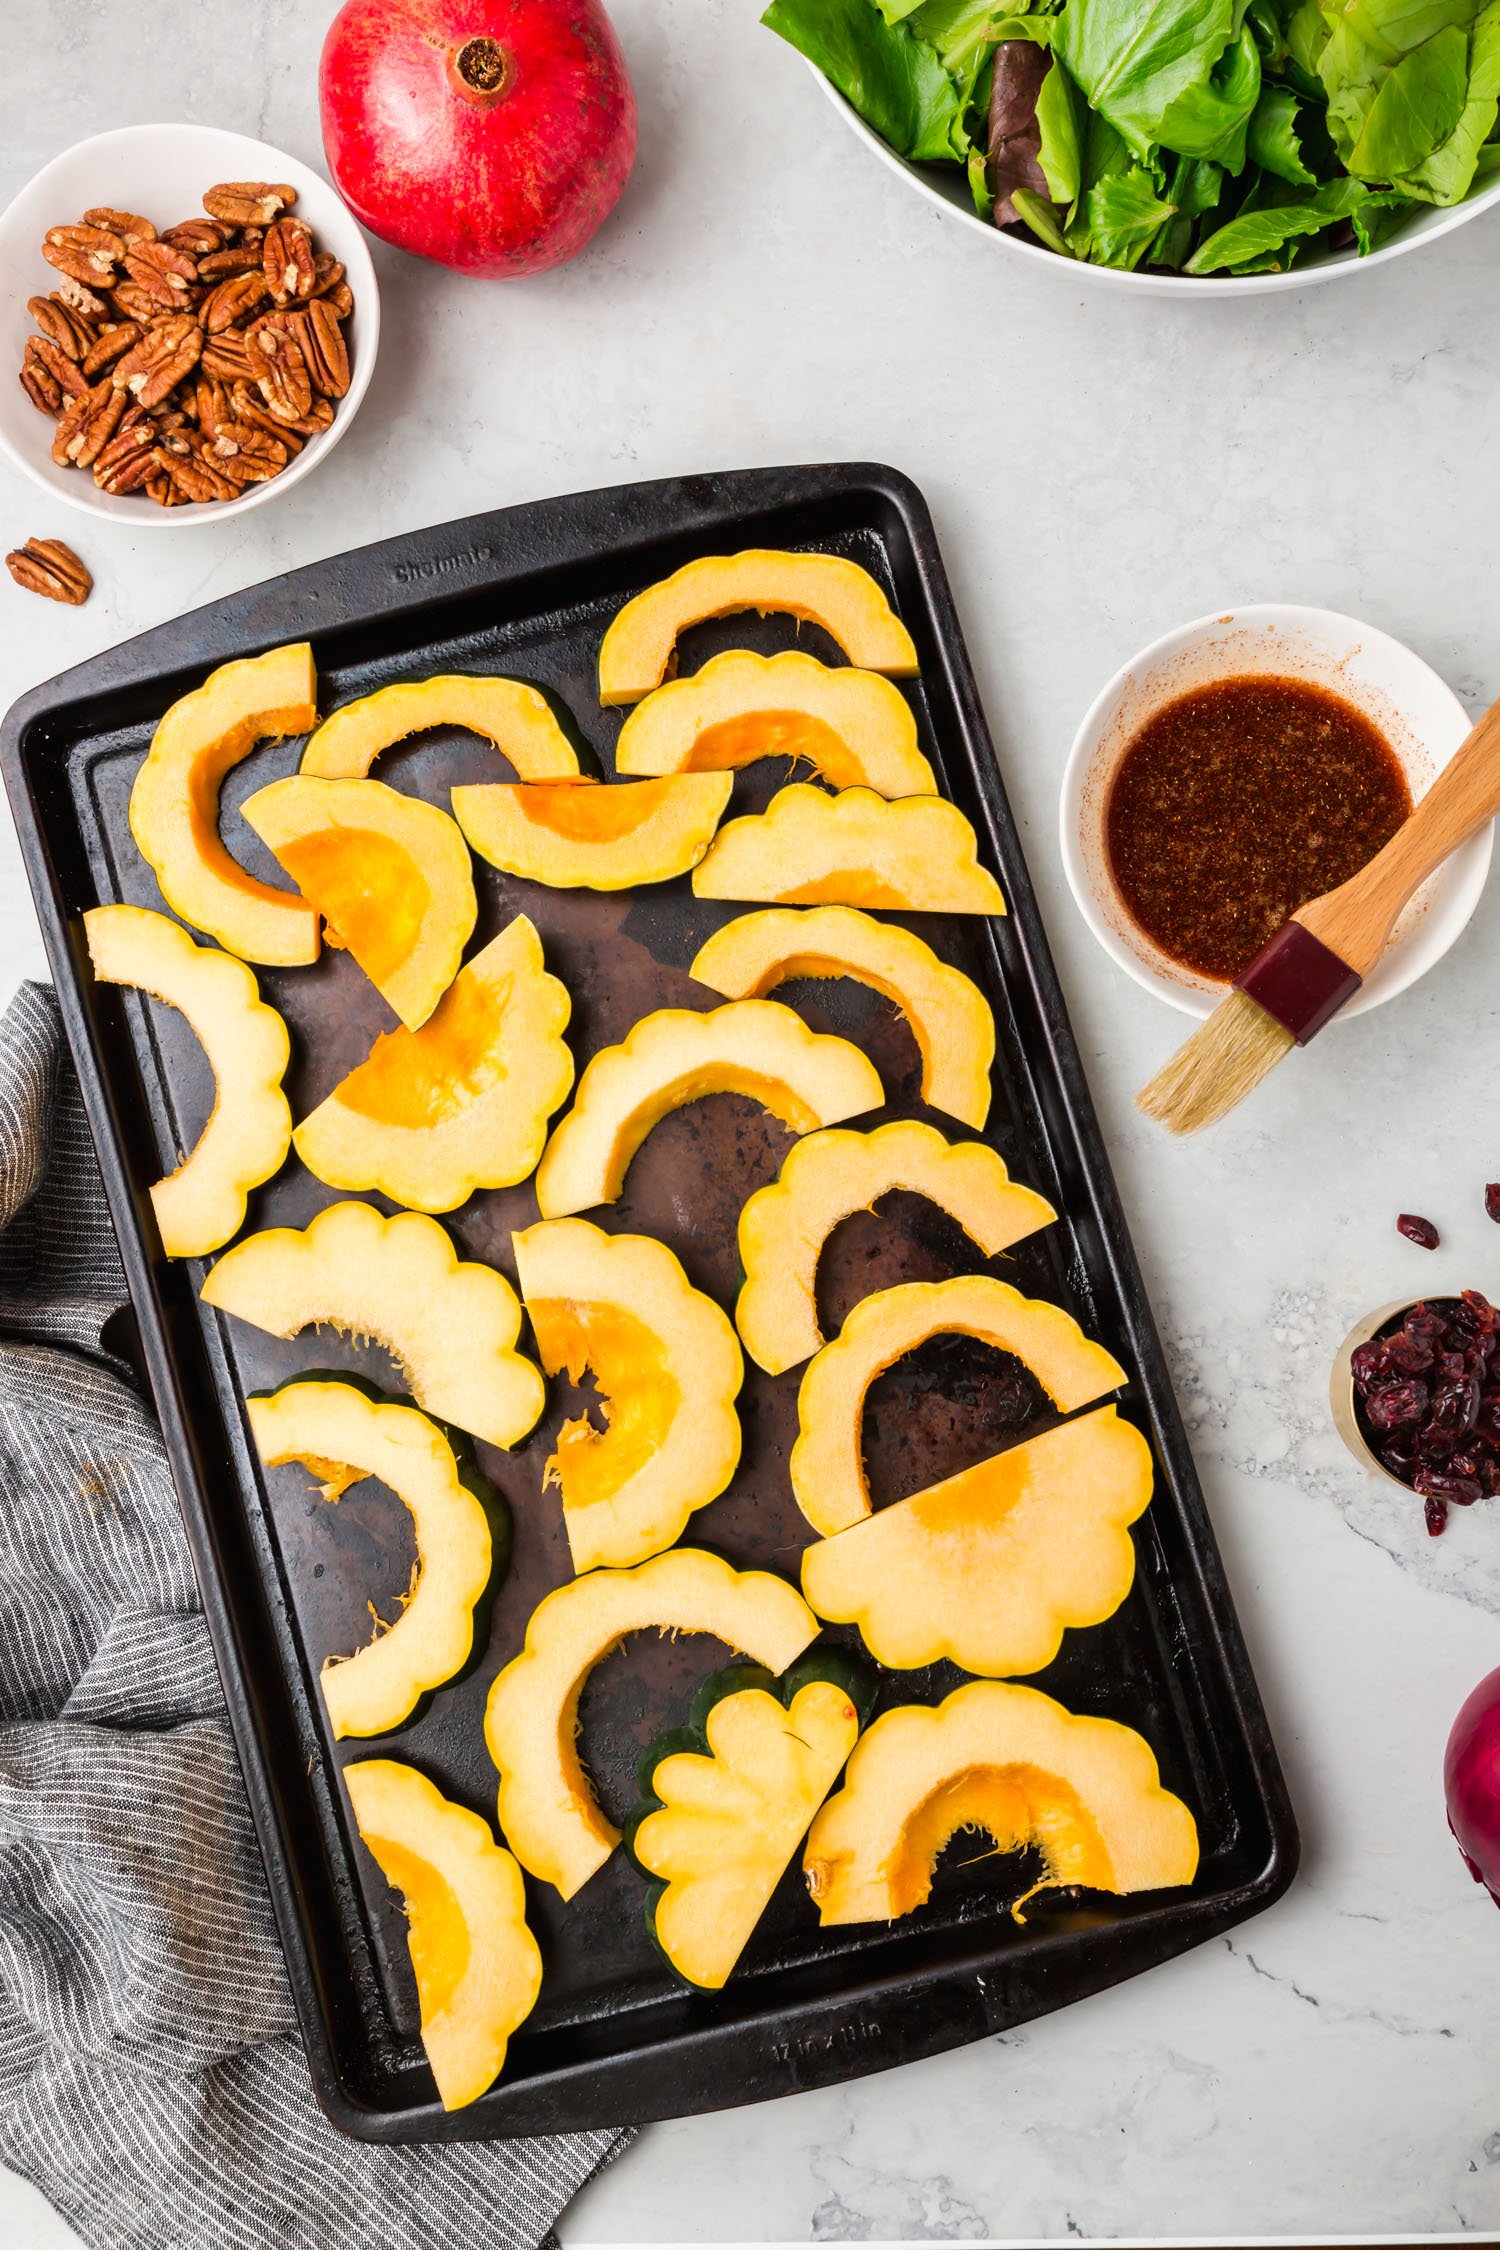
(286, 1579)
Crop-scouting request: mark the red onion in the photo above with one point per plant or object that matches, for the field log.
(1471, 1783)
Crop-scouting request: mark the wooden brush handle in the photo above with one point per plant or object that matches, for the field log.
(1357, 918)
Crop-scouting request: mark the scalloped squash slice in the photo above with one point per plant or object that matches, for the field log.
(831, 1175)
(478, 1967)
(584, 835)
(450, 1326)
(432, 1115)
(389, 874)
(548, 1810)
(666, 1360)
(516, 717)
(174, 804)
(1018, 1767)
(991, 1567)
(827, 1467)
(343, 1435)
(852, 727)
(950, 1018)
(915, 854)
(755, 1047)
(200, 1205)
(637, 651)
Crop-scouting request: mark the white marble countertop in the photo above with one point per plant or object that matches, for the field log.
(1100, 469)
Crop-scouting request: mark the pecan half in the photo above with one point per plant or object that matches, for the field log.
(61, 324)
(200, 238)
(126, 463)
(249, 203)
(47, 566)
(128, 225)
(250, 407)
(240, 257)
(317, 331)
(227, 356)
(278, 368)
(111, 343)
(232, 301)
(88, 424)
(66, 373)
(246, 452)
(86, 254)
(169, 350)
(289, 262)
(328, 272)
(187, 462)
(79, 298)
(132, 302)
(162, 490)
(211, 402)
(39, 387)
(167, 275)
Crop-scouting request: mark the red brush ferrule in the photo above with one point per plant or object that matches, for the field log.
(1299, 980)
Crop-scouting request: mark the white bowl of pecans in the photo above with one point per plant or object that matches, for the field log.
(193, 317)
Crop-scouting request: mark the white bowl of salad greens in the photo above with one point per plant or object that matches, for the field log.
(1193, 146)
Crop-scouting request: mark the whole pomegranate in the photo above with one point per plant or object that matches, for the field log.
(492, 135)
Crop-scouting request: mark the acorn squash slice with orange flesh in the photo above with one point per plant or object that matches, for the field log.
(828, 590)
(200, 1205)
(343, 1435)
(432, 1115)
(581, 835)
(478, 1967)
(828, 1177)
(174, 804)
(950, 1018)
(516, 717)
(852, 727)
(827, 1470)
(666, 1360)
(991, 1567)
(389, 874)
(1018, 1767)
(755, 1047)
(450, 1326)
(548, 1811)
(915, 854)
(729, 1799)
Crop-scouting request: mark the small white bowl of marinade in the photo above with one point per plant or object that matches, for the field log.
(1242, 765)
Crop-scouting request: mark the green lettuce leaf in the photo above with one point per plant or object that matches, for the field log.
(1134, 58)
(1417, 104)
(1366, 40)
(1274, 142)
(1042, 220)
(1377, 218)
(1211, 120)
(1125, 214)
(1448, 173)
(1253, 237)
(1059, 113)
(961, 33)
(896, 82)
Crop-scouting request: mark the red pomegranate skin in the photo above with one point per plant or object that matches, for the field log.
(493, 181)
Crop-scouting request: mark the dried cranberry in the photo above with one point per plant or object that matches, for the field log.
(1435, 1443)
(1420, 1231)
(1368, 1364)
(1401, 1463)
(1436, 1512)
(1443, 1484)
(1397, 1406)
(1450, 1367)
(1423, 1323)
(1456, 1406)
(1406, 1355)
(1468, 1462)
(1492, 1199)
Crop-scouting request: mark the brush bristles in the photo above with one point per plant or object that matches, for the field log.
(1225, 1060)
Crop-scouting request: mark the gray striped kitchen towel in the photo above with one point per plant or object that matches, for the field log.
(151, 2081)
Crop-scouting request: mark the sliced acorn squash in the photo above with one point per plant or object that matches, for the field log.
(451, 1326)
(430, 1116)
(666, 1360)
(851, 727)
(1015, 1765)
(990, 1567)
(581, 835)
(637, 650)
(517, 718)
(949, 1016)
(755, 1047)
(730, 1797)
(249, 1130)
(917, 854)
(477, 1965)
(174, 804)
(344, 1435)
(827, 1177)
(828, 1477)
(389, 874)
(548, 1811)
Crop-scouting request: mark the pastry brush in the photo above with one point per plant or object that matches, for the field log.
(1316, 961)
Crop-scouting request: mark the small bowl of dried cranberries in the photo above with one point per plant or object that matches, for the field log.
(193, 317)
(1416, 1397)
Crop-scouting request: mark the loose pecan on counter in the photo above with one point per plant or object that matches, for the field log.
(46, 566)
